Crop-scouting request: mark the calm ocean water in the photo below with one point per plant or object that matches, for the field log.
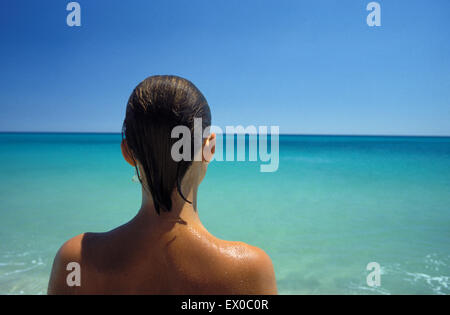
(334, 205)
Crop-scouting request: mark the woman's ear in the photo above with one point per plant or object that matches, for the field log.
(127, 153)
(209, 147)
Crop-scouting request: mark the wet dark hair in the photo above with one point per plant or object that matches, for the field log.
(155, 107)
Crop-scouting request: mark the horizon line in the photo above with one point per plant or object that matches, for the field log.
(281, 134)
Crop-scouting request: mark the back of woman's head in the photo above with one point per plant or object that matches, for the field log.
(155, 107)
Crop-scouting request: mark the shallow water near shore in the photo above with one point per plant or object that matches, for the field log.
(335, 204)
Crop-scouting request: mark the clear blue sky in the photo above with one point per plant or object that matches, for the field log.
(308, 66)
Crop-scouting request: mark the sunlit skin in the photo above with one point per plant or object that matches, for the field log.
(170, 253)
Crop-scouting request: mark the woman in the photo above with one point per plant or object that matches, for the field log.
(164, 249)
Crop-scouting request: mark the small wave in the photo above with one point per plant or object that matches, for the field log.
(306, 159)
(374, 290)
(431, 277)
(428, 276)
(20, 270)
(12, 264)
(436, 284)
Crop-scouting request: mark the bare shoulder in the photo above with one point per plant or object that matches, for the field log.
(230, 267)
(69, 252)
(253, 269)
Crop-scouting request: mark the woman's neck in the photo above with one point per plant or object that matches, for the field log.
(182, 212)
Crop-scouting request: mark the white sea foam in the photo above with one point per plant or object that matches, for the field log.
(374, 290)
(436, 284)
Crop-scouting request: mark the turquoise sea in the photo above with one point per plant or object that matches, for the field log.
(335, 204)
